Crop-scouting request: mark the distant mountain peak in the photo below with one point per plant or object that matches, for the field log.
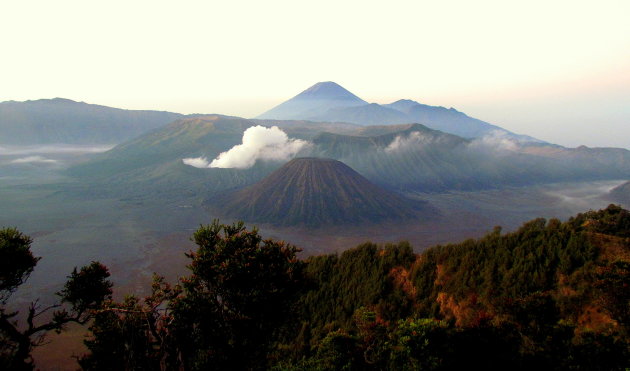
(328, 90)
(314, 101)
(325, 85)
(62, 100)
(405, 101)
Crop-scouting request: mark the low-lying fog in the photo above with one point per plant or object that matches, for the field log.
(582, 196)
(37, 161)
(52, 149)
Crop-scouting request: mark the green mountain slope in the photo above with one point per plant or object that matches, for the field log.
(408, 157)
(414, 157)
(153, 163)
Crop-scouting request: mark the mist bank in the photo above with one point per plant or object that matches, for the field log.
(43, 161)
(52, 149)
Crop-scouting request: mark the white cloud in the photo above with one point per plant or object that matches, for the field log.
(259, 143)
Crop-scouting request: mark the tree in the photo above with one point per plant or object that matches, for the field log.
(223, 316)
(16, 261)
(134, 334)
(613, 288)
(419, 344)
(240, 291)
(339, 351)
(83, 293)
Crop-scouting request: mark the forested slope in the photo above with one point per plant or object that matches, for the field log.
(551, 295)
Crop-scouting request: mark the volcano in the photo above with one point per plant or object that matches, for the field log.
(313, 102)
(316, 192)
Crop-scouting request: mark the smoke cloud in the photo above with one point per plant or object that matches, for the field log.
(259, 143)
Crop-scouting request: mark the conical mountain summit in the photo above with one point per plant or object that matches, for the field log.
(329, 90)
(314, 101)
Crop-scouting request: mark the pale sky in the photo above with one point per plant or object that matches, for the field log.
(555, 70)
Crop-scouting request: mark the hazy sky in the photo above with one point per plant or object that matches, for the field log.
(556, 70)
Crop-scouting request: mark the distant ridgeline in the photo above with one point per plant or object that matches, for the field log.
(329, 102)
(58, 120)
(551, 296)
(52, 121)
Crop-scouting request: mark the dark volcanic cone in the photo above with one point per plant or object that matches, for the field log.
(315, 191)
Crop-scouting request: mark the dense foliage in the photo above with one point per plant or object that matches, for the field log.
(223, 316)
(551, 295)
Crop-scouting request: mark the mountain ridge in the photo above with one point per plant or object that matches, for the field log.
(407, 158)
(328, 108)
(62, 120)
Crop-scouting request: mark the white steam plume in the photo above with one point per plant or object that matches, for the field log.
(199, 162)
(259, 143)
